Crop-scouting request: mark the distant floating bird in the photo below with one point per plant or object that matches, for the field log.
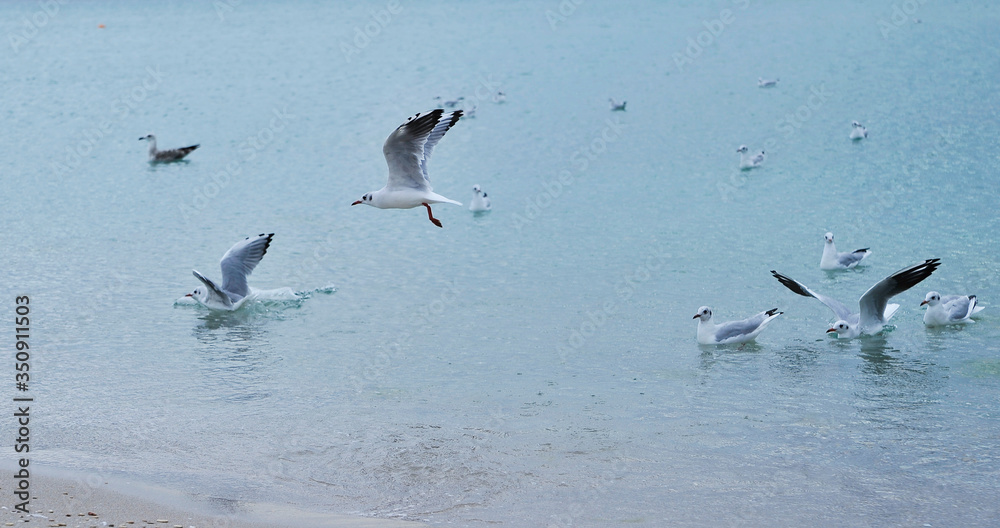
(500, 97)
(406, 152)
(949, 309)
(761, 83)
(743, 331)
(162, 156)
(875, 310)
(449, 104)
(480, 202)
(858, 131)
(237, 264)
(471, 112)
(616, 106)
(748, 161)
(832, 260)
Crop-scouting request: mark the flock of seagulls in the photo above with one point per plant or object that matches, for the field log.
(874, 308)
(408, 149)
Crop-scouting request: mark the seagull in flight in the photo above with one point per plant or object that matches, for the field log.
(875, 310)
(833, 260)
(950, 309)
(710, 333)
(236, 264)
(406, 152)
(163, 156)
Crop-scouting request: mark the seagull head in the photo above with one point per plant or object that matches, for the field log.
(704, 313)
(199, 294)
(855, 124)
(829, 237)
(841, 327)
(743, 149)
(366, 199)
(932, 299)
(476, 189)
(148, 136)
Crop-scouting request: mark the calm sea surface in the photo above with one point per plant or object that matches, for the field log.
(537, 365)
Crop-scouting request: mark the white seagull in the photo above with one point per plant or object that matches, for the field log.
(158, 156)
(616, 106)
(832, 260)
(875, 310)
(761, 83)
(236, 265)
(949, 309)
(858, 131)
(710, 333)
(747, 161)
(500, 97)
(480, 202)
(406, 152)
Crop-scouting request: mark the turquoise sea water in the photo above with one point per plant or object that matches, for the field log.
(537, 365)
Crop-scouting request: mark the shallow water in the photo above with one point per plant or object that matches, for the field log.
(536, 365)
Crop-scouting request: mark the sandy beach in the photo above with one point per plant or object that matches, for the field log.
(77, 501)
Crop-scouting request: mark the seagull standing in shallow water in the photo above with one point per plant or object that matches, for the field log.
(480, 202)
(949, 309)
(743, 331)
(832, 260)
(858, 131)
(406, 152)
(748, 162)
(157, 156)
(237, 264)
(875, 310)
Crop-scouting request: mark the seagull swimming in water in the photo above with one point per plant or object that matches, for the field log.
(761, 83)
(480, 202)
(749, 161)
(875, 310)
(858, 131)
(743, 331)
(406, 152)
(500, 97)
(616, 106)
(237, 264)
(832, 260)
(162, 156)
(949, 309)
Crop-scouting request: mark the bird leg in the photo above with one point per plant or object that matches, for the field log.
(431, 215)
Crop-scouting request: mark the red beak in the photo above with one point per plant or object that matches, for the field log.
(357, 202)
(923, 303)
(831, 330)
(188, 295)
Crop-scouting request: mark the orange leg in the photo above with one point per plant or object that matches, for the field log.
(431, 215)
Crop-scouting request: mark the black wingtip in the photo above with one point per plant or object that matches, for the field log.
(773, 311)
(862, 250)
(790, 284)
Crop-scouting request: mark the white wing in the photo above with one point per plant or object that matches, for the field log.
(874, 301)
(215, 295)
(841, 311)
(240, 261)
(409, 147)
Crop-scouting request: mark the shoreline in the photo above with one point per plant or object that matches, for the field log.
(73, 499)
